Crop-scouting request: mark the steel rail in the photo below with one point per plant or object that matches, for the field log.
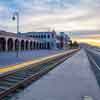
(21, 78)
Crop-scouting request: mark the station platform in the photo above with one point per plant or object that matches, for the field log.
(71, 80)
(10, 59)
(23, 64)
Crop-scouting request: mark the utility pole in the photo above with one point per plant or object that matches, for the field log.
(16, 17)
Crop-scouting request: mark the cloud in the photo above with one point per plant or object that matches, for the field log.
(67, 15)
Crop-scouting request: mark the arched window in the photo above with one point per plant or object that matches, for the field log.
(44, 36)
(22, 45)
(48, 36)
(41, 36)
(48, 45)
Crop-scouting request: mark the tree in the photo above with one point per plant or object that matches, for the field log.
(70, 44)
(75, 44)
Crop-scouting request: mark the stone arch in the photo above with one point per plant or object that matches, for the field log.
(31, 45)
(37, 45)
(34, 45)
(27, 45)
(16, 44)
(48, 36)
(22, 45)
(40, 45)
(2, 44)
(48, 45)
(10, 44)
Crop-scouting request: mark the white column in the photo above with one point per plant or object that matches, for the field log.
(28, 45)
(19, 45)
(13, 44)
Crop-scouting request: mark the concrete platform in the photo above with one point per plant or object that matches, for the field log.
(71, 80)
(10, 59)
(10, 68)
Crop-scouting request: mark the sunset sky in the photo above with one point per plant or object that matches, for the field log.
(82, 17)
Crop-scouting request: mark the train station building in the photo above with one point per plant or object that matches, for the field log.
(30, 41)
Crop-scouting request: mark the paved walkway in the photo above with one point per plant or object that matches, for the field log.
(71, 80)
(11, 59)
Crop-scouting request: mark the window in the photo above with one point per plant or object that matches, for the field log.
(52, 35)
(48, 36)
(44, 36)
(41, 36)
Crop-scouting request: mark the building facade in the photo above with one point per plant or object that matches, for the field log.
(62, 40)
(47, 40)
(11, 42)
(30, 41)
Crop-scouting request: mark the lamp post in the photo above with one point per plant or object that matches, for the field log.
(16, 17)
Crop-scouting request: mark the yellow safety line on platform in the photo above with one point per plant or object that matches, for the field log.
(24, 64)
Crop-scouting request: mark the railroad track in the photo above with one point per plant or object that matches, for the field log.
(21, 78)
(93, 61)
(94, 66)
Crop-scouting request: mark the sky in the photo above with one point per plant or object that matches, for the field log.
(77, 16)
